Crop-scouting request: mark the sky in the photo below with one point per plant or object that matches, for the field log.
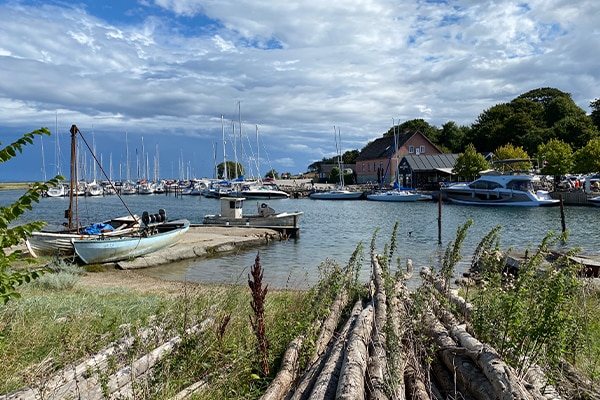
(167, 82)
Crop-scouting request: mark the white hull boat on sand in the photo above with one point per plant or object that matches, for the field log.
(148, 239)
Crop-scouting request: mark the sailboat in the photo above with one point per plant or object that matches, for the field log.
(396, 194)
(59, 242)
(339, 193)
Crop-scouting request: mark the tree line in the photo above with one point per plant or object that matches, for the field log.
(544, 124)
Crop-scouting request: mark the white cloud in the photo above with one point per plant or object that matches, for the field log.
(298, 68)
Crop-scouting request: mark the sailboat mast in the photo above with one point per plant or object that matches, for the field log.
(225, 174)
(73, 182)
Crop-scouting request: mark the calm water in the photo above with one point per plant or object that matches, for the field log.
(333, 229)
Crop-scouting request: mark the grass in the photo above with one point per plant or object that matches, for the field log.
(14, 185)
(58, 323)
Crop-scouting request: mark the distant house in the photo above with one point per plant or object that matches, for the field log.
(377, 163)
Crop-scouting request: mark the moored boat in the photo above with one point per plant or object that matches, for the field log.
(495, 189)
(398, 195)
(336, 194)
(232, 215)
(150, 238)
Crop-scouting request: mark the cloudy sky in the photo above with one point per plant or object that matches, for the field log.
(161, 73)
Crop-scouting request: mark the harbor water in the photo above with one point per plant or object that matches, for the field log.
(332, 230)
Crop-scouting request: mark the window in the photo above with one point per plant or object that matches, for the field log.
(411, 149)
(422, 149)
(363, 167)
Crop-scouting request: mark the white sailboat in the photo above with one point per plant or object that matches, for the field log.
(339, 193)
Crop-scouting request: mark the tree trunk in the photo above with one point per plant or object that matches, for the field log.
(377, 364)
(286, 375)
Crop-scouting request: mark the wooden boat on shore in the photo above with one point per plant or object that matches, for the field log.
(150, 238)
(232, 215)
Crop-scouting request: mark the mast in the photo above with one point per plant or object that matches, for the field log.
(69, 213)
(225, 174)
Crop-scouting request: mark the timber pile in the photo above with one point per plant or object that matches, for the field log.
(376, 354)
(387, 347)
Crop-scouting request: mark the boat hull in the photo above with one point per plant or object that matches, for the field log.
(398, 196)
(276, 220)
(336, 195)
(499, 198)
(51, 243)
(103, 250)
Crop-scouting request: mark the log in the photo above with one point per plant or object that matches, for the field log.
(287, 373)
(538, 380)
(351, 384)
(70, 380)
(503, 378)
(330, 324)
(465, 308)
(467, 373)
(377, 364)
(137, 369)
(327, 381)
(446, 382)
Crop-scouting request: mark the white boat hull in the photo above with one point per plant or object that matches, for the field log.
(51, 243)
(276, 220)
(336, 195)
(398, 196)
(97, 251)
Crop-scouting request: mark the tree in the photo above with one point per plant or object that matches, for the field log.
(557, 158)
(595, 106)
(452, 137)
(234, 170)
(413, 125)
(470, 163)
(510, 152)
(587, 159)
(11, 236)
(272, 174)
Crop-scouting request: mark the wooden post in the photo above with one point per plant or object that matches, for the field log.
(440, 218)
(562, 214)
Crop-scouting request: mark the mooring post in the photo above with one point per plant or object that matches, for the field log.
(440, 218)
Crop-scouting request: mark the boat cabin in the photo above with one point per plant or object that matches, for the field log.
(231, 207)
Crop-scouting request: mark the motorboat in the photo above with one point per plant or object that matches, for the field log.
(398, 195)
(232, 215)
(263, 190)
(496, 189)
(153, 236)
(336, 194)
(60, 190)
(595, 201)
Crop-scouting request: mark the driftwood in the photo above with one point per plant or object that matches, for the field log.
(326, 384)
(286, 375)
(72, 379)
(465, 308)
(502, 377)
(330, 324)
(351, 384)
(377, 364)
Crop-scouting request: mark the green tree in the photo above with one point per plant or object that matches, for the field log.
(557, 158)
(272, 174)
(453, 137)
(470, 163)
(510, 152)
(587, 159)
(576, 131)
(234, 170)
(414, 125)
(11, 236)
(595, 106)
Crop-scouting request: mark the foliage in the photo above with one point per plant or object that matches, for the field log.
(534, 305)
(453, 137)
(510, 152)
(452, 254)
(595, 106)
(258, 307)
(414, 125)
(470, 163)
(13, 235)
(234, 170)
(272, 174)
(557, 158)
(587, 159)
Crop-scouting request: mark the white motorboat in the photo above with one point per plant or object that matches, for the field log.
(263, 190)
(495, 189)
(595, 201)
(150, 238)
(398, 195)
(232, 215)
(60, 190)
(336, 194)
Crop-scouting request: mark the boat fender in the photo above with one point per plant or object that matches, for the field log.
(163, 214)
(145, 218)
